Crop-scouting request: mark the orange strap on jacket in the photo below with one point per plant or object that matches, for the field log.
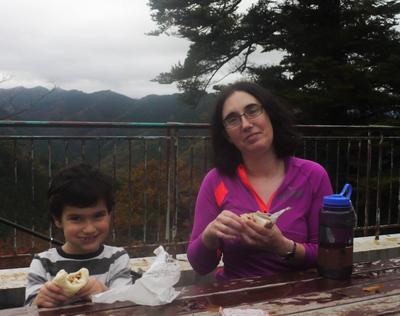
(264, 207)
(220, 192)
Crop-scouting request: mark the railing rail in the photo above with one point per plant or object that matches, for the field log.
(87, 124)
(158, 168)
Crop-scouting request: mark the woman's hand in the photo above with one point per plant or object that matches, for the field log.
(269, 238)
(93, 286)
(227, 225)
(50, 295)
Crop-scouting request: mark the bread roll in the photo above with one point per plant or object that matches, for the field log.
(259, 218)
(73, 282)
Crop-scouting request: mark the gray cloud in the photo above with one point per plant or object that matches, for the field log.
(88, 45)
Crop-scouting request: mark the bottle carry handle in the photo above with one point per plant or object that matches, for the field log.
(347, 188)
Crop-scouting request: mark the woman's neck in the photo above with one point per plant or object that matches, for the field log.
(266, 165)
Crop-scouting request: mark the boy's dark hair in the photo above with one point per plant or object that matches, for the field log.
(226, 156)
(79, 186)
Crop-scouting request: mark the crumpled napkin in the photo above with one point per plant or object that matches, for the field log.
(155, 287)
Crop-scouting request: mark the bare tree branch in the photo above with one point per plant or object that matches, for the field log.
(5, 77)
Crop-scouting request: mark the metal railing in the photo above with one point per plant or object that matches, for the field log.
(158, 167)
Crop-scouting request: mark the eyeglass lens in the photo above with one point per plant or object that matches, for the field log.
(251, 111)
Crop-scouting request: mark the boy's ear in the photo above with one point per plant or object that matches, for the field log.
(57, 222)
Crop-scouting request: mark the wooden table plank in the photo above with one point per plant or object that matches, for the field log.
(374, 288)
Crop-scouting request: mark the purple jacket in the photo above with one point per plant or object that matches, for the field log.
(303, 188)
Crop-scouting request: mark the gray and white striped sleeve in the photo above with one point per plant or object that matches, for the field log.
(120, 271)
(36, 278)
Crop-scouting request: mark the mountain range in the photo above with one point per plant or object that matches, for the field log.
(40, 103)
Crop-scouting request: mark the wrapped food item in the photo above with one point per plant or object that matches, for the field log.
(259, 218)
(264, 219)
(71, 283)
(155, 287)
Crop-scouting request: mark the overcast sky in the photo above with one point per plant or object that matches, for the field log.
(87, 45)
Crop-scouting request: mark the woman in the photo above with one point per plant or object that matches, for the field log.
(254, 142)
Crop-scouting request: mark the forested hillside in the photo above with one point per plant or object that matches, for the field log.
(43, 104)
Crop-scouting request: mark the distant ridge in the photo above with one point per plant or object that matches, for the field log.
(40, 103)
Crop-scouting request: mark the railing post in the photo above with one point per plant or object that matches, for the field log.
(16, 190)
(145, 194)
(168, 166)
(114, 178)
(32, 163)
(398, 200)
(50, 177)
(369, 154)
(358, 179)
(159, 188)
(174, 190)
(171, 216)
(378, 190)
(391, 183)
(66, 150)
(337, 166)
(171, 197)
(130, 190)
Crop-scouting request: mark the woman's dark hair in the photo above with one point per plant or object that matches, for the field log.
(79, 186)
(226, 156)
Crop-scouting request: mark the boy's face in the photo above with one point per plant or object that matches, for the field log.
(85, 229)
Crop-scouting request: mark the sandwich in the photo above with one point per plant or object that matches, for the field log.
(260, 218)
(71, 283)
(264, 219)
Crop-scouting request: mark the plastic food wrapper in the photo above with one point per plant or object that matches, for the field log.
(155, 287)
(242, 312)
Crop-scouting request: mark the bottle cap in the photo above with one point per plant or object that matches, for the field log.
(341, 200)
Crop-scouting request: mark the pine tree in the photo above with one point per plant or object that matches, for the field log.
(340, 58)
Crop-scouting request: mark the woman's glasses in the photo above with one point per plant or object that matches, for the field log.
(235, 119)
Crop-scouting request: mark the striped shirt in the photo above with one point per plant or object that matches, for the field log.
(110, 265)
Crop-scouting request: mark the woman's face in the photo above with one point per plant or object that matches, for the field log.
(253, 133)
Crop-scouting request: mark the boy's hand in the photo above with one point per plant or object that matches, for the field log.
(50, 295)
(93, 286)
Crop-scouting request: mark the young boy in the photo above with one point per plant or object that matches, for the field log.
(80, 203)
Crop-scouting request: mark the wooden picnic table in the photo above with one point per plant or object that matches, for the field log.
(374, 289)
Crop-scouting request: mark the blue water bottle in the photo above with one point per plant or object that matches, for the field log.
(336, 233)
